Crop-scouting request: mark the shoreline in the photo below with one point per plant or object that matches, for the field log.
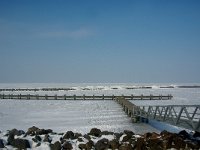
(37, 138)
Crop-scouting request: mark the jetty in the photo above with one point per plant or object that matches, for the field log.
(184, 116)
(83, 97)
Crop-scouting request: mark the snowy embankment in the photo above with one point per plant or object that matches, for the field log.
(40, 139)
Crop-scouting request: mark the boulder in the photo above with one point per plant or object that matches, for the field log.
(82, 146)
(155, 143)
(21, 143)
(31, 131)
(126, 138)
(69, 135)
(125, 146)
(102, 144)
(43, 131)
(95, 132)
(47, 138)
(16, 132)
(77, 135)
(118, 135)
(37, 138)
(114, 144)
(1, 143)
(10, 139)
(196, 134)
(129, 133)
(89, 145)
(179, 143)
(183, 134)
(56, 146)
(87, 137)
(140, 144)
(67, 146)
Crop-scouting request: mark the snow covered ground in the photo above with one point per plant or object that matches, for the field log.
(81, 116)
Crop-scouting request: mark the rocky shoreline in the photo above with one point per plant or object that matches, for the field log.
(36, 138)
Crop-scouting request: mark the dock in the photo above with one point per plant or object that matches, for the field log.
(184, 116)
(83, 97)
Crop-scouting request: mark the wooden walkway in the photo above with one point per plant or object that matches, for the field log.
(186, 116)
(82, 97)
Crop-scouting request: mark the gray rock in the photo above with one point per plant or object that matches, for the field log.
(67, 146)
(1, 143)
(21, 143)
(69, 135)
(56, 146)
(95, 132)
(47, 138)
(102, 144)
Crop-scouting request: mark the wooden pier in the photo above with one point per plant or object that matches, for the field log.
(83, 97)
(185, 116)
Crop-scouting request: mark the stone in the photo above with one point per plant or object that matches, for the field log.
(40, 132)
(114, 144)
(38, 144)
(95, 132)
(47, 138)
(87, 137)
(10, 138)
(69, 135)
(31, 131)
(67, 146)
(77, 135)
(89, 145)
(184, 134)
(155, 143)
(102, 144)
(140, 144)
(16, 132)
(126, 138)
(129, 133)
(125, 147)
(82, 146)
(179, 142)
(80, 139)
(196, 134)
(37, 139)
(21, 143)
(1, 143)
(56, 146)
(118, 135)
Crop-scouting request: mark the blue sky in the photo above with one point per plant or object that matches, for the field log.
(100, 41)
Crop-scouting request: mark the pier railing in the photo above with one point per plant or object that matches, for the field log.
(82, 97)
(187, 116)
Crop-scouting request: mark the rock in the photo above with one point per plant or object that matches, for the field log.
(82, 146)
(37, 138)
(21, 143)
(114, 144)
(125, 147)
(129, 133)
(126, 138)
(95, 132)
(140, 144)
(16, 132)
(179, 142)
(147, 135)
(56, 146)
(31, 131)
(184, 134)
(38, 144)
(47, 138)
(69, 135)
(80, 139)
(102, 144)
(87, 137)
(67, 146)
(77, 135)
(1, 143)
(10, 138)
(89, 145)
(43, 131)
(118, 135)
(155, 143)
(196, 134)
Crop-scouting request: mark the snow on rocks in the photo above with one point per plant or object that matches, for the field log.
(46, 139)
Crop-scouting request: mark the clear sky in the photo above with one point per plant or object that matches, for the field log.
(100, 41)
